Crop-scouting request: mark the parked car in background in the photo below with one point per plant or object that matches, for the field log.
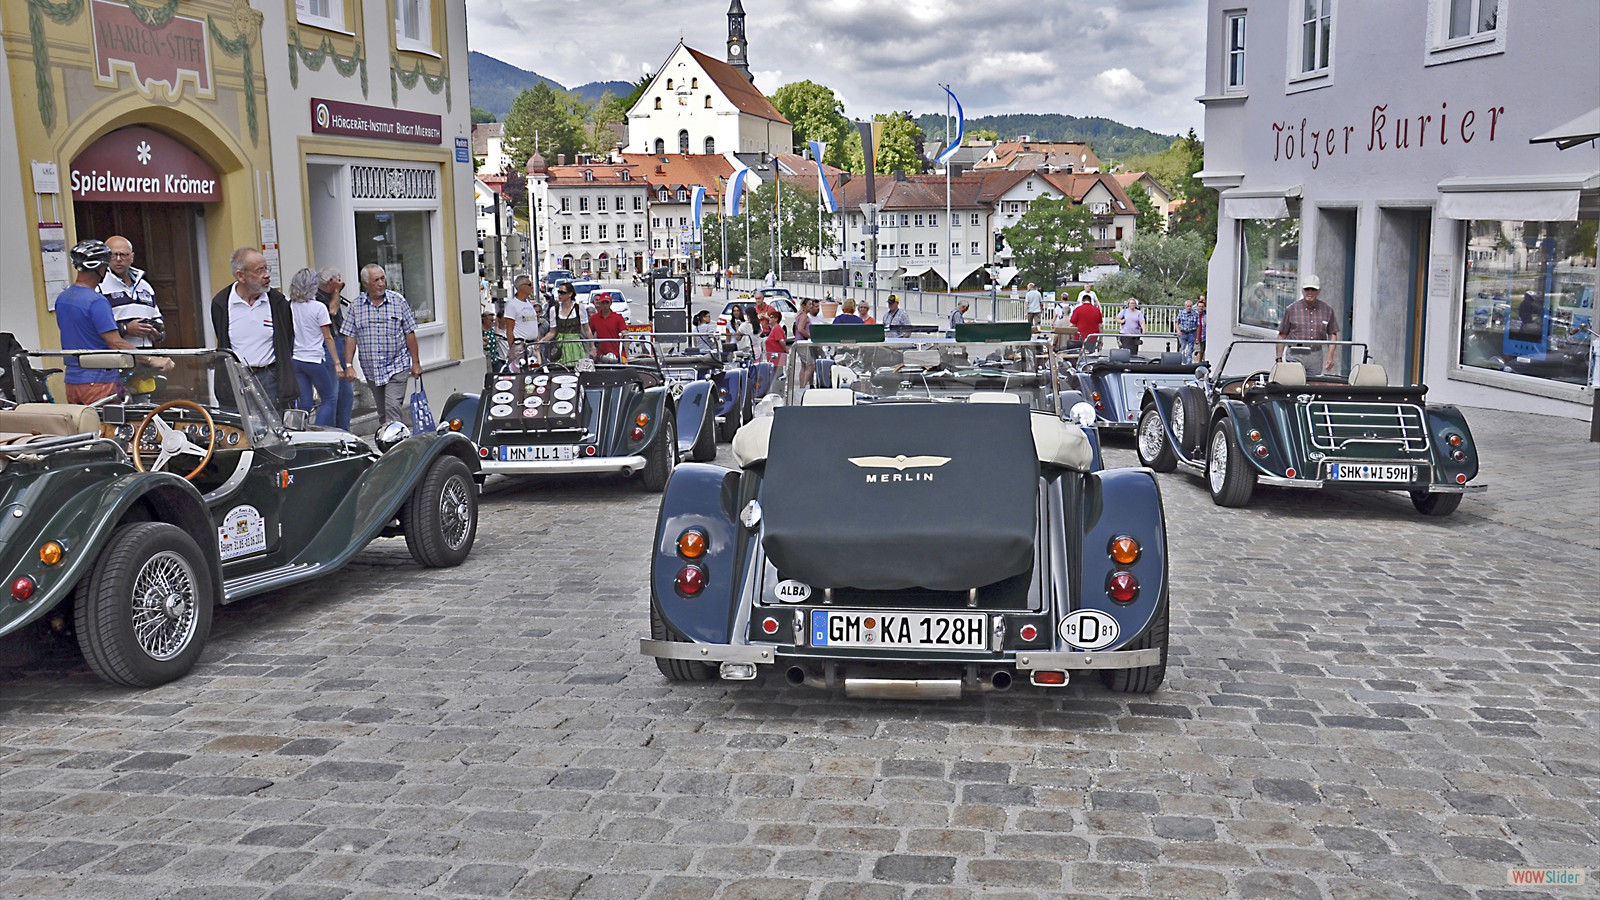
(1115, 379)
(738, 378)
(619, 303)
(1254, 420)
(932, 524)
(127, 523)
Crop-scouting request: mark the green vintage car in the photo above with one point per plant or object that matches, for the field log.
(127, 522)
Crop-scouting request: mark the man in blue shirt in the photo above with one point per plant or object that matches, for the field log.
(83, 315)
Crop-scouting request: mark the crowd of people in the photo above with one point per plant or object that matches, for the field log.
(302, 349)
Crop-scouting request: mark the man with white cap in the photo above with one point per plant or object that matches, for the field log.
(1309, 319)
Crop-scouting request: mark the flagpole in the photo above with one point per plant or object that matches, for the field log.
(722, 222)
(777, 215)
(949, 259)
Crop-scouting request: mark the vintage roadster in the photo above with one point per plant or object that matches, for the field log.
(934, 523)
(605, 411)
(737, 380)
(1256, 419)
(127, 522)
(1114, 379)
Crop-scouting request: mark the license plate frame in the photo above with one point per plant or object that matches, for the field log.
(537, 452)
(899, 630)
(1372, 472)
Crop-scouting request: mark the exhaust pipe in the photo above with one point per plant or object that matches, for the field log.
(1000, 680)
(796, 676)
(903, 689)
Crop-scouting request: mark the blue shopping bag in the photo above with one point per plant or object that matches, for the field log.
(421, 412)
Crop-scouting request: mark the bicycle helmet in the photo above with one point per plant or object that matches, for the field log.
(91, 255)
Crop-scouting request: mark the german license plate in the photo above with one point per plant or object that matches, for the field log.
(926, 631)
(1371, 472)
(540, 453)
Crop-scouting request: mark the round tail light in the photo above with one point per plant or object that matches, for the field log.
(1123, 587)
(1290, 472)
(1461, 479)
(1261, 450)
(589, 450)
(483, 452)
(1459, 455)
(1124, 549)
(637, 434)
(691, 581)
(22, 588)
(1028, 632)
(769, 625)
(692, 544)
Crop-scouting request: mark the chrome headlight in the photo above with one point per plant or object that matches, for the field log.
(391, 435)
(1082, 413)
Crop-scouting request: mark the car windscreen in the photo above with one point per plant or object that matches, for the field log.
(897, 371)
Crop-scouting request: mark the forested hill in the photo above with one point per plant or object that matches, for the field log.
(496, 84)
(1110, 140)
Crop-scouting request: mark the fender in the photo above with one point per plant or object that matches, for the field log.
(699, 495)
(653, 402)
(1135, 497)
(730, 384)
(466, 407)
(1161, 398)
(694, 407)
(760, 377)
(81, 508)
(1241, 419)
(1442, 422)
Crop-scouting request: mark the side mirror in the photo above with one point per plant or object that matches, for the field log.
(296, 419)
(390, 435)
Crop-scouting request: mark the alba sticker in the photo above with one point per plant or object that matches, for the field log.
(791, 591)
(1089, 629)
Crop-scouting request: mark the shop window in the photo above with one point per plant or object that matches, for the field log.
(1529, 298)
(402, 242)
(1269, 266)
(320, 13)
(1316, 34)
(1233, 34)
(413, 25)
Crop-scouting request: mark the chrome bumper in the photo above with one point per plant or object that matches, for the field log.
(563, 466)
(1024, 660)
(1280, 481)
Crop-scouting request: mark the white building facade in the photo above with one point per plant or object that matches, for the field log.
(1405, 153)
(701, 105)
(591, 217)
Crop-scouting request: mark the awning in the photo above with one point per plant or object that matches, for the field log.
(1259, 204)
(1581, 130)
(1530, 199)
(916, 271)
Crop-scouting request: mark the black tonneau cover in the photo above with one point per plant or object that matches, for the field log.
(939, 496)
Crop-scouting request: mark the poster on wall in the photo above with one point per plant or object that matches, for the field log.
(53, 255)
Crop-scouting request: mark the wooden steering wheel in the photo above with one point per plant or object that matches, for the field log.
(174, 442)
(1262, 380)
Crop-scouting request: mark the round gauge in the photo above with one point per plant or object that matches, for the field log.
(541, 379)
(532, 402)
(503, 384)
(500, 412)
(566, 393)
(233, 438)
(193, 431)
(561, 408)
(566, 379)
(125, 432)
(529, 413)
(503, 397)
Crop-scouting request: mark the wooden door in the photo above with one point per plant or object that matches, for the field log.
(163, 236)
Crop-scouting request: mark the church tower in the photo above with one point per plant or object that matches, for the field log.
(738, 51)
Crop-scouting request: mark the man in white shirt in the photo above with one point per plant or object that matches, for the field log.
(522, 322)
(255, 321)
(1033, 301)
(133, 300)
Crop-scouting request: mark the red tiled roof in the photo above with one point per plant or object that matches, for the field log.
(737, 88)
(605, 172)
(674, 170)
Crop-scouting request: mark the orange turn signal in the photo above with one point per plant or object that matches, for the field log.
(692, 544)
(1124, 549)
(641, 420)
(50, 553)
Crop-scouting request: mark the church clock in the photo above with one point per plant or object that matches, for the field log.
(737, 56)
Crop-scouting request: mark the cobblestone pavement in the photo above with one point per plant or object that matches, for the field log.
(1362, 703)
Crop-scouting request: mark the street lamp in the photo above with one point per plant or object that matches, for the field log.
(870, 230)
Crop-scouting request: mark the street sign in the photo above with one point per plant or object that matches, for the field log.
(669, 293)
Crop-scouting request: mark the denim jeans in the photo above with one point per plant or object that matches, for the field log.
(344, 392)
(315, 375)
(1186, 346)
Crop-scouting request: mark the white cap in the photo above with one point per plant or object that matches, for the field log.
(1311, 282)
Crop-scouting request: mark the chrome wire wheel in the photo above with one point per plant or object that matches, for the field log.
(1151, 440)
(165, 605)
(1217, 463)
(1179, 438)
(455, 512)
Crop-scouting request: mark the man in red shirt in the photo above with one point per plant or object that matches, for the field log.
(607, 324)
(1086, 318)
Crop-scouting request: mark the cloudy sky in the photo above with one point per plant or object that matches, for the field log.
(1139, 62)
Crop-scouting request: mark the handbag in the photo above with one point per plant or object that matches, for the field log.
(421, 412)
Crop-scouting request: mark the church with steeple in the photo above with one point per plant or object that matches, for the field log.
(699, 104)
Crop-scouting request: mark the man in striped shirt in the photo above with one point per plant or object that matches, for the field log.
(385, 335)
(133, 300)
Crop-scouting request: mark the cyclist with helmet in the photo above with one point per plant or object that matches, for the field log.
(83, 315)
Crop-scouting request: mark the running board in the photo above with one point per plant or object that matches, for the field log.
(235, 588)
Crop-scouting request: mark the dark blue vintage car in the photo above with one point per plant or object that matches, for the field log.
(601, 412)
(933, 523)
(737, 379)
(125, 523)
(1259, 417)
(1114, 378)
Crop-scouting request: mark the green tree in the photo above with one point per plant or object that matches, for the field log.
(1052, 242)
(798, 214)
(1198, 212)
(1160, 269)
(981, 134)
(481, 115)
(639, 87)
(817, 115)
(900, 148)
(607, 113)
(553, 118)
(1149, 219)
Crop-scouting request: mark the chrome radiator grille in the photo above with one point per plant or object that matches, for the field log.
(1334, 425)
